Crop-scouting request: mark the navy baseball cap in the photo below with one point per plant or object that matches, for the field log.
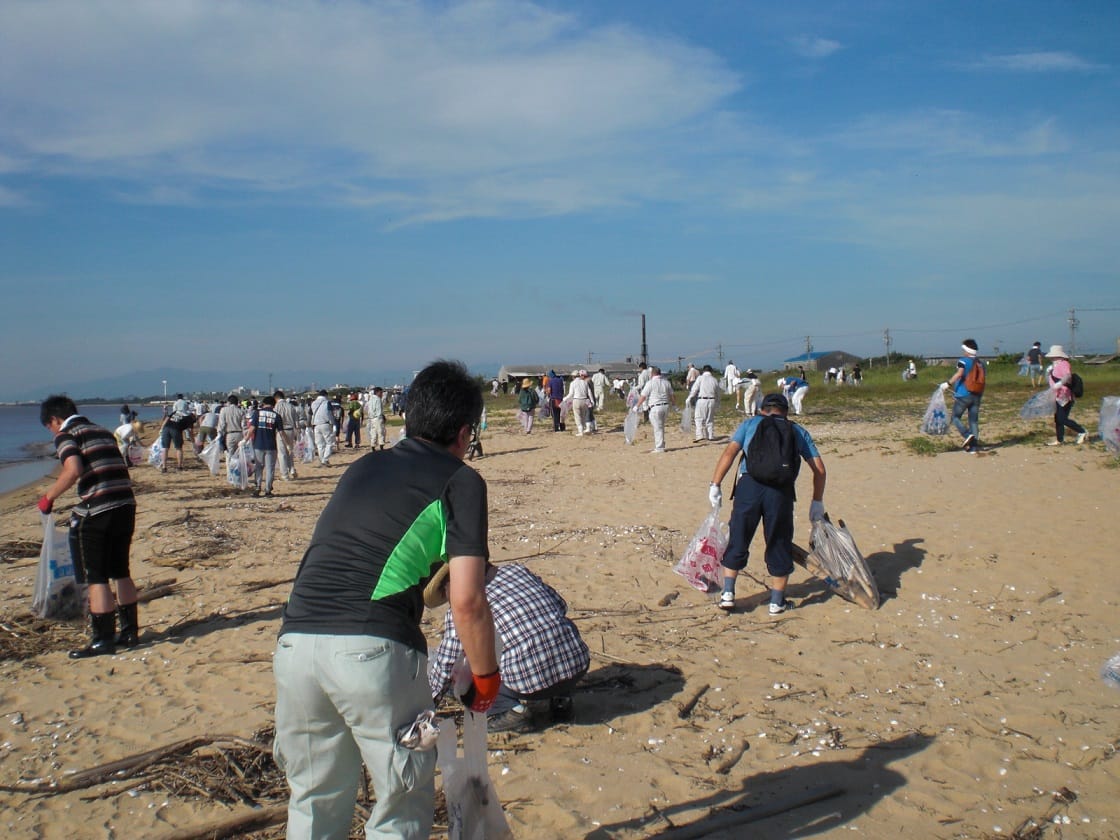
(775, 401)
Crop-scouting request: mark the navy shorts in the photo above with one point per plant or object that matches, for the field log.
(99, 545)
(755, 503)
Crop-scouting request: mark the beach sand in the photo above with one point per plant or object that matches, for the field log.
(967, 704)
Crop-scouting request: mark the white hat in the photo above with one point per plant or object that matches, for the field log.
(782, 382)
(1056, 351)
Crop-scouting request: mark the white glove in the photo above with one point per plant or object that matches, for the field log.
(715, 495)
(816, 511)
(944, 386)
(633, 409)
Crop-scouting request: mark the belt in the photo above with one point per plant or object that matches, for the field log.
(657, 405)
(705, 398)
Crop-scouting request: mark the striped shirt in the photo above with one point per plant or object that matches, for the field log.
(540, 645)
(103, 481)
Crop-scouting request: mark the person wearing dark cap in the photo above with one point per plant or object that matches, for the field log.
(766, 498)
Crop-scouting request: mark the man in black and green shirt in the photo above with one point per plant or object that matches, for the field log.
(351, 660)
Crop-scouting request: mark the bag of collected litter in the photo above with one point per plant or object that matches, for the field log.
(474, 811)
(700, 563)
(135, 454)
(211, 455)
(1041, 404)
(1109, 427)
(836, 560)
(57, 592)
(936, 419)
(306, 446)
(630, 426)
(237, 468)
(686, 419)
(157, 454)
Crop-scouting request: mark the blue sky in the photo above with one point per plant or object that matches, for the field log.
(312, 185)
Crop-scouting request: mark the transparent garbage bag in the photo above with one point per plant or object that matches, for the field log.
(700, 563)
(1041, 404)
(936, 419)
(1109, 426)
(57, 594)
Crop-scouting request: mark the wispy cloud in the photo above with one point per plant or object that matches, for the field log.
(493, 105)
(944, 133)
(814, 47)
(1036, 62)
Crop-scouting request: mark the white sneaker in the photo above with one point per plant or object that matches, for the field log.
(1081, 438)
(1054, 443)
(727, 601)
(778, 609)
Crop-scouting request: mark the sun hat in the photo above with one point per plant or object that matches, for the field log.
(781, 382)
(1056, 351)
(435, 593)
(526, 382)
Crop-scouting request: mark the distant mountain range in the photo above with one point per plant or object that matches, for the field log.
(146, 384)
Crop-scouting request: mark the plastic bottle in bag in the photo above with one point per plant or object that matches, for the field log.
(1110, 672)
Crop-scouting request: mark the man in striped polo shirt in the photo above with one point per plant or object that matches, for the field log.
(101, 524)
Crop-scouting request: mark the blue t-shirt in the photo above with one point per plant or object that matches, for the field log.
(805, 446)
(965, 363)
(795, 383)
(266, 423)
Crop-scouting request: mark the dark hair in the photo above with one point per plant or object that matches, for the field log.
(278, 394)
(56, 405)
(269, 401)
(708, 368)
(322, 392)
(232, 399)
(970, 343)
(442, 399)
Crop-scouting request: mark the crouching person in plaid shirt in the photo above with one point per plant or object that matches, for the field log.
(543, 655)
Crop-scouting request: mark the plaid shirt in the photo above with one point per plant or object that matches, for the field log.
(540, 645)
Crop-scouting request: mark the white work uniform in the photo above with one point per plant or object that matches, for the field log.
(705, 391)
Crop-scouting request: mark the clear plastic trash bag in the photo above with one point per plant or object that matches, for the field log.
(700, 563)
(57, 594)
(936, 419)
(1041, 404)
(1109, 427)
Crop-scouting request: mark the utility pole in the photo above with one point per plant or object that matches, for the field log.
(270, 383)
(589, 355)
(719, 354)
(165, 390)
(887, 344)
(1073, 325)
(679, 360)
(808, 347)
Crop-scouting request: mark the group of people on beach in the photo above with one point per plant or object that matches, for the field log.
(407, 528)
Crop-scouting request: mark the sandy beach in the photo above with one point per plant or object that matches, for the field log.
(969, 704)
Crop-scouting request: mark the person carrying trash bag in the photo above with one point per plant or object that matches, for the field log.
(351, 659)
(773, 448)
(101, 524)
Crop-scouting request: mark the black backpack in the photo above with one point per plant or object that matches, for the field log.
(772, 457)
(1076, 386)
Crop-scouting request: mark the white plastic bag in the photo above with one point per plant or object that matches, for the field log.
(211, 455)
(134, 454)
(700, 564)
(237, 467)
(936, 419)
(474, 811)
(836, 560)
(157, 454)
(1109, 427)
(686, 419)
(1041, 404)
(306, 446)
(630, 426)
(58, 594)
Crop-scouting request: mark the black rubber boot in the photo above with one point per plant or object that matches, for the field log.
(129, 636)
(103, 629)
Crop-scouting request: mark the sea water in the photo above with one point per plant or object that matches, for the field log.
(27, 449)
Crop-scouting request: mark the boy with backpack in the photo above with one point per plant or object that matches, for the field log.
(773, 448)
(968, 387)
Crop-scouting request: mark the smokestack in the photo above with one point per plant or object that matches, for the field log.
(645, 349)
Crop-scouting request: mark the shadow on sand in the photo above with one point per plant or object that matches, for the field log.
(798, 802)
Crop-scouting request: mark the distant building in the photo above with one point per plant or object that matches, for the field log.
(822, 360)
(615, 370)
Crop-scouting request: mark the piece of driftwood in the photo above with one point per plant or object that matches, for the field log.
(733, 819)
(232, 826)
(733, 758)
(124, 766)
(690, 704)
(158, 589)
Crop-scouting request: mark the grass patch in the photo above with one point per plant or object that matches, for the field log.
(924, 445)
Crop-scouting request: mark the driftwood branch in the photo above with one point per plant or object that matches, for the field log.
(239, 823)
(125, 766)
(690, 704)
(733, 819)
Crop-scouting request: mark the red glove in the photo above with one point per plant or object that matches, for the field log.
(483, 692)
(45, 504)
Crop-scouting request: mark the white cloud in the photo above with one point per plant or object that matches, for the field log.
(366, 100)
(813, 47)
(1036, 62)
